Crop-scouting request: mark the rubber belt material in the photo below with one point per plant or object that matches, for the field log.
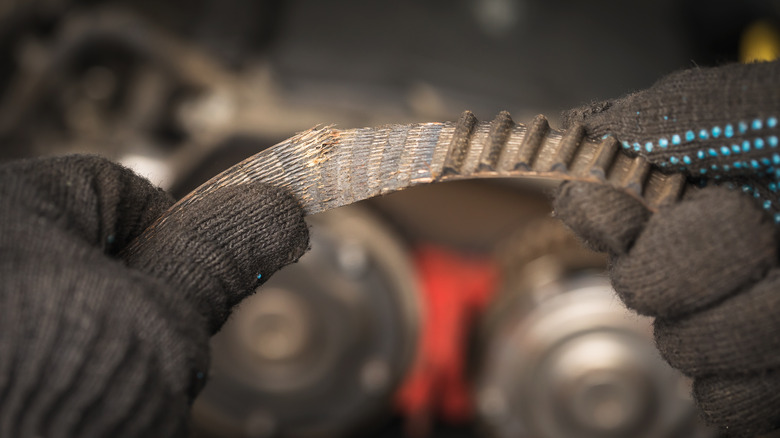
(327, 168)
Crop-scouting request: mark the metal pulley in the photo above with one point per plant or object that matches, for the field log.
(562, 357)
(320, 348)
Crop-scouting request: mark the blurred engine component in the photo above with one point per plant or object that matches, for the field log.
(562, 358)
(104, 80)
(323, 345)
(148, 77)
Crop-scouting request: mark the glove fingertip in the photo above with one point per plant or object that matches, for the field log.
(606, 219)
(223, 245)
(695, 253)
(261, 226)
(742, 405)
(286, 237)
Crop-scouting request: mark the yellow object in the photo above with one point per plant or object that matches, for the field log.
(760, 42)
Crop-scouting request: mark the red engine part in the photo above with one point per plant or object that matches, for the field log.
(455, 289)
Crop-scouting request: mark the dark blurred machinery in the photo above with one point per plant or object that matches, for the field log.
(450, 311)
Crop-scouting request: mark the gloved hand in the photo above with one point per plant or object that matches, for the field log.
(92, 345)
(705, 268)
(706, 122)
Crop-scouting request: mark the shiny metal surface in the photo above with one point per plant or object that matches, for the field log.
(563, 358)
(580, 365)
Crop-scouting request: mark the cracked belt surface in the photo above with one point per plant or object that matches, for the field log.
(327, 168)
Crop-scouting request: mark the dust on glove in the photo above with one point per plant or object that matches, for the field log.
(91, 345)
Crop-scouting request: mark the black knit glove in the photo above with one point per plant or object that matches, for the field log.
(712, 124)
(706, 268)
(94, 346)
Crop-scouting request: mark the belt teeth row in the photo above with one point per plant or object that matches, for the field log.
(514, 150)
(326, 168)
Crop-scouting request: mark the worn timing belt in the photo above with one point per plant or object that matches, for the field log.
(327, 168)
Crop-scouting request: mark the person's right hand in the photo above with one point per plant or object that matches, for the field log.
(706, 269)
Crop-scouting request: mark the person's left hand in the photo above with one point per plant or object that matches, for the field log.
(92, 345)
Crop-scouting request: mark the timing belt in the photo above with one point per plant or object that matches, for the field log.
(326, 168)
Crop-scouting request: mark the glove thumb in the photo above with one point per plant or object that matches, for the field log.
(222, 247)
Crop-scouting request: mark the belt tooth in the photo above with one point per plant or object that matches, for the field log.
(500, 130)
(672, 189)
(637, 175)
(460, 144)
(532, 143)
(568, 146)
(605, 156)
